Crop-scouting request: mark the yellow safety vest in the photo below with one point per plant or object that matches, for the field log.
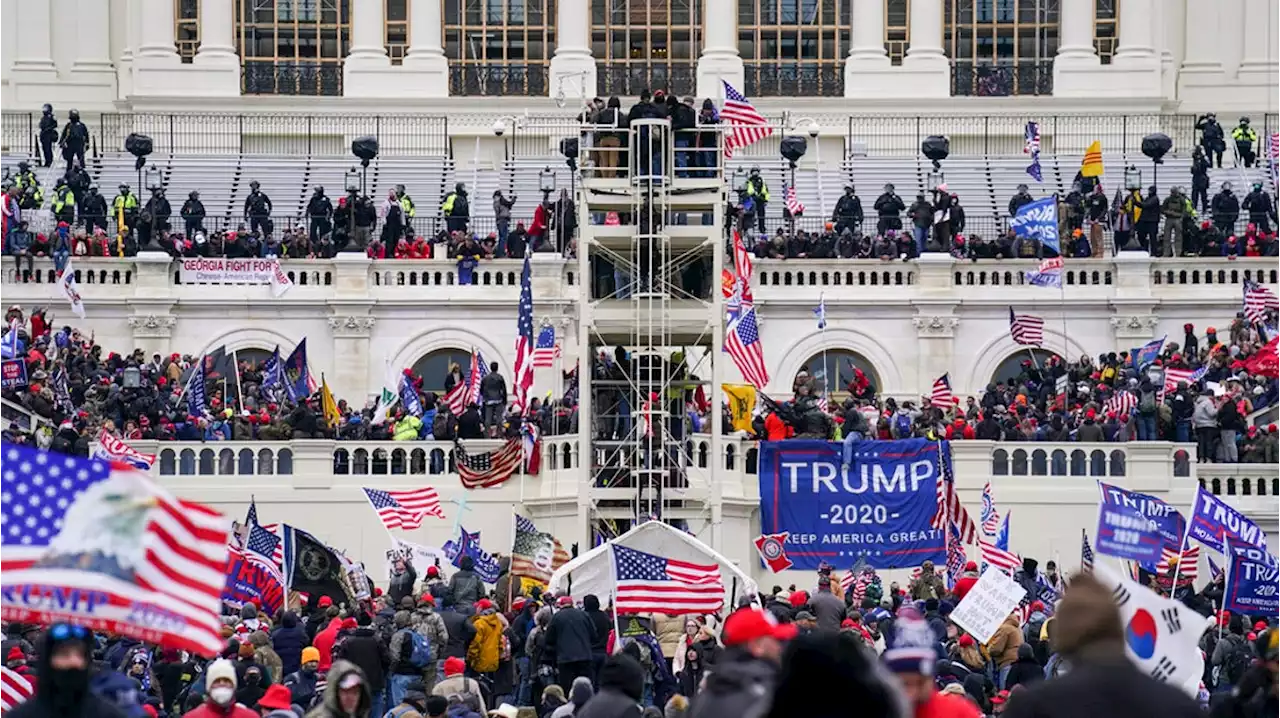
(447, 206)
(406, 205)
(63, 198)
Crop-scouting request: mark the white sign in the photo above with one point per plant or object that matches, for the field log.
(421, 556)
(224, 270)
(987, 604)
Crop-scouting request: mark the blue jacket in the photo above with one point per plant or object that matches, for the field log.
(288, 640)
(428, 422)
(19, 241)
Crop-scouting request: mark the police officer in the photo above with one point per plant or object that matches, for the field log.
(1212, 137)
(32, 197)
(93, 210)
(758, 191)
(155, 218)
(407, 211)
(193, 215)
(456, 209)
(319, 215)
(74, 140)
(1260, 208)
(78, 180)
(1199, 179)
(64, 202)
(848, 212)
(127, 202)
(1225, 209)
(1020, 199)
(889, 207)
(1245, 137)
(48, 134)
(257, 210)
(25, 177)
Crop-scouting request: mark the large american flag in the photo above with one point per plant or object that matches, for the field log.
(647, 583)
(992, 555)
(1026, 329)
(742, 342)
(404, 509)
(1258, 300)
(1122, 404)
(956, 558)
(467, 390)
(949, 509)
(14, 689)
(989, 517)
(489, 468)
(1173, 377)
(1188, 564)
(792, 202)
(535, 554)
(251, 518)
(547, 349)
(746, 125)
(523, 378)
(1086, 552)
(108, 540)
(941, 395)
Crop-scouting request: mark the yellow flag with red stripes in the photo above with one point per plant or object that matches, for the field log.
(1092, 164)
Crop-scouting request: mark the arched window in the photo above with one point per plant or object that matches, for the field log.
(838, 365)
(1011, 367)
(794, 48)
(434, 367)
(500, 47)
(646, 44)
(293, 48)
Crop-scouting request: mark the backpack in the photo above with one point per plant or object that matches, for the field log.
(420, 654)
(1237, 664)
(1147, 404)
(902, 425)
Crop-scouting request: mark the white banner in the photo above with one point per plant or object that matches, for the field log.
(987, 604)
(421, 557)
(224, 270)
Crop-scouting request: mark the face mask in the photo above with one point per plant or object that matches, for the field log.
(222, 695)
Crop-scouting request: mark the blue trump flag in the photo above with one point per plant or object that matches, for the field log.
(1125, 528)
(1252, 587)
(1038, 220)
(1213, 521)
(273, 370)
(468, 544)
(297, 377)
(1144, 355)
(878, 509)
(409, 397)
(1168, 521)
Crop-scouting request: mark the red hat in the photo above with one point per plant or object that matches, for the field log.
(277, 698)
(1271, 428)
(1037, 606)
(324, 602)
(15, 654)
(433, 572)
(971, 566)
(484, 604)
(748, 624)
(518, 603)
(1251, 636)
(377, 592)
(348, 624)
(847, 623)
(564, 601)
(1260, 626)
(799, 598)
(427, 600)
(966, 641)
(454, 666)
(1000, 697)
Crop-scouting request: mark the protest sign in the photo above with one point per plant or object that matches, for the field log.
(987, 604)
(224, 270)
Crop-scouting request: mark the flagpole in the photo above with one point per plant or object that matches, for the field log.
(235, 363)
(511, 577)
(613, 574)
(826, 370)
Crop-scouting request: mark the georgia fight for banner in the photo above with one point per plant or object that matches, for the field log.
(878, 508)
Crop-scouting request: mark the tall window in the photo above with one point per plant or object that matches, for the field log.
(833, 371)
(794, 47)
(396, 29)
(499, 47)
(646, 44)
(293, 47)
(1106, 28)
(1001, 47)
(897, 29)
(186, 28)
(434, 367)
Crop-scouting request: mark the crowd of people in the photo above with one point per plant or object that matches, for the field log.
(437, 647)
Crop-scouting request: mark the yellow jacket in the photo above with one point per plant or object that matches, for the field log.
(407, 428)
(486, 646)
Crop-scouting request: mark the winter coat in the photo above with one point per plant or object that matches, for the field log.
(1026, 670)
(570, 635)
(460, 633)
(466, 587)
(402, 585)
(330, 707)
(485, 649)
(209, 709)
(363, 649)
(739, 686)
(1003, 646)
(829, 610)
(288, 639)
(324, 643)
(428, 624)
(669, 630)
(621, 689)
(302, 687)
(1103, 688)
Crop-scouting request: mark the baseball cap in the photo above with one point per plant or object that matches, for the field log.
(1000, 697)
(748, 624)
(351, 680)
(277, 697)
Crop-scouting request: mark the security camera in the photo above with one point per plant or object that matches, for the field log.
(814, 129)
(499, 127)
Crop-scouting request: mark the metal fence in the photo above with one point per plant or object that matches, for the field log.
(292, 78)
(1003, 79)
(794, 80)
(498, 80)
(628, 80)
(267, 133)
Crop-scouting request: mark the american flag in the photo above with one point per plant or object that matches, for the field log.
(956, 558)
(941, 395)
(742, 263)
(251, 518)
(1026, 329)
(1188, 565)
(1086, 551)
(535, 554)
(746, 126)
(87, 527)
(1032, 148)
(14, 689)
(404, 509)
(467, 391)
(646, 583)
(990, 517)
(112, 449)
(260, 550)
(490, 468)
(1122, 404)
(792, 202)
(523, 377)
(1258, 300)
(950, 510)
(742, 342)
(547, 349)
(994, 556)
(1173, 377)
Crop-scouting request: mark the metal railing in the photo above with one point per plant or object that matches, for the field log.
(1001, 79)
(18, 133)
(793, 79)
(498, 80)
(627, 80)
(275, 133)
(265, 77)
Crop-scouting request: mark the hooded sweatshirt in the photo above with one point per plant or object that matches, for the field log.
(621, 690)
(63, 693)
(330, 707)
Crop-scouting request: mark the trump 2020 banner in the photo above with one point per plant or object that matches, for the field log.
(249, 580)
(1136, 526)
(878, 508)
(1252, 586)
(1213, 521)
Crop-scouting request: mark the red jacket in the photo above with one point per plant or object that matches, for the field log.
(963, 585)
(209, 709)
(324, 643)
(947, 706)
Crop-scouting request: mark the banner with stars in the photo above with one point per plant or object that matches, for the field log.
(877, 508)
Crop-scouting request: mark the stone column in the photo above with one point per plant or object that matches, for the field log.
(157, 69)
(720, 61)
(936, 334)
(217, 62)
(158, 43)
(1201, 78)
(573, 70)
(1258, 58)
(926, 62)
(868, 72)
(350, 378)
(1137, 33)
(93, 45)
(1075, 28)
(425, 59)
(367, 70)
(33, 62)
(1174, 27)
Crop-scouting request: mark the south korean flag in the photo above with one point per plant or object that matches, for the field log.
(1161, 636)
